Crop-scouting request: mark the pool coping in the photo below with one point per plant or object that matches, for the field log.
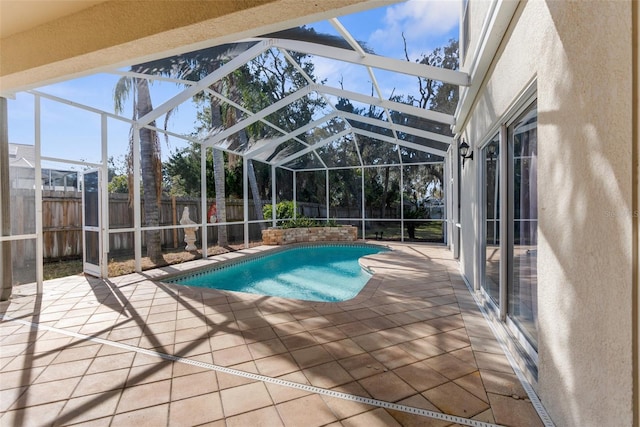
(243, 257)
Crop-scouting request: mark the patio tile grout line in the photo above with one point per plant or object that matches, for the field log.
(263, 378)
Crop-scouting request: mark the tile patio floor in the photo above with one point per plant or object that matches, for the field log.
(412, 348)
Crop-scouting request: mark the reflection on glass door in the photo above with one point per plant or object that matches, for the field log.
(491, 217)
(91, 222)
(522, 289)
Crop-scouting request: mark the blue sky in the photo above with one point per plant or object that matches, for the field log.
(74, 134)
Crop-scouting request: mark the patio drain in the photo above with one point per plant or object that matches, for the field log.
(257, 377)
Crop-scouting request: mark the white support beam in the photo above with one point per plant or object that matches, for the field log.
(326, 192)
(153, 77)
(38, 197)
(401, 204)
(273, 196)
(394, 164)
(313, 147)
(78, 105)
(186, 83)
(347, 36)
(6, 264)
(363, 201)
(295, 194)
(73, 162)
(400, 128)
(355, 141)
(250, 154)
(218, 74)
(396, 106)
(445, 185)
(247, 112)
(375, 61)
(245, 201)
(399, 142)
(259, 115)
(203, 203)
(137, 211)
(104, 196)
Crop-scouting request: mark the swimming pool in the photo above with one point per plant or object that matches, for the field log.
(326, 273)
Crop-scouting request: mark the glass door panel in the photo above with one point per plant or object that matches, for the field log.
(491, 217)
(522, 290)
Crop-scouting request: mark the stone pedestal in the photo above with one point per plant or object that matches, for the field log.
(190, 239)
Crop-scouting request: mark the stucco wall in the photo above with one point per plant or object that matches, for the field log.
(579, 53)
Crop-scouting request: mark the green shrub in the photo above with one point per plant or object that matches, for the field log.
(331, 223)
(300, 222)
(304, 222)
(284, 210)
(284, 213)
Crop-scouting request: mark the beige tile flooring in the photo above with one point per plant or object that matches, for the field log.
(412, 349)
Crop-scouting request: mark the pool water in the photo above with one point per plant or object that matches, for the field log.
(326, 273)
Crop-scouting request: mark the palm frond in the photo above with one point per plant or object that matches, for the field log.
(166, 124)
(307, 34)
(121, 92)
(193, 65)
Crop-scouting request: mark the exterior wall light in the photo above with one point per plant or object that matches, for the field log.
(464, 151)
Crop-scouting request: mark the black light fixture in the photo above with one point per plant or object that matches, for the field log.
(464, 151)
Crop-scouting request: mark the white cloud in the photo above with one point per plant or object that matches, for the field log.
(419, 20)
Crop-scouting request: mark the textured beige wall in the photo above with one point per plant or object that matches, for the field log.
(580, 55)
(120, 32)
(585, 265)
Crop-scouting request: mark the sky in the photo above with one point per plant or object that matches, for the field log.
(71, 133)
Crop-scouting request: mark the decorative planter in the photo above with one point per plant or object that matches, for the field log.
(285, 236)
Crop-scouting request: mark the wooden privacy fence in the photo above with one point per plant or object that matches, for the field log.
(121, 216)
(62, 223)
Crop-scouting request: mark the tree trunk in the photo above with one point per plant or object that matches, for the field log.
(219, 177)
(149, 165)
(6, 276)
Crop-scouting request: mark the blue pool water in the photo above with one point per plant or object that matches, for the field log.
(313, 273)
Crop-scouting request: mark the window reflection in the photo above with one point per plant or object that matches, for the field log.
(491, 217)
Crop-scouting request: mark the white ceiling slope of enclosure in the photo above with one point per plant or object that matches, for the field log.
(400, 132)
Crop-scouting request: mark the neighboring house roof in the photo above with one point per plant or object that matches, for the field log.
(22, 155)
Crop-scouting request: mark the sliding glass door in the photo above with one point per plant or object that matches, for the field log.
(491, 219)
(522, 286)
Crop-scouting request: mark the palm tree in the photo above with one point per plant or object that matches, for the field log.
(194, 66)
(150, 160)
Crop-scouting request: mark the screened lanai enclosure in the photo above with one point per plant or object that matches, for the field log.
(235, 138)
